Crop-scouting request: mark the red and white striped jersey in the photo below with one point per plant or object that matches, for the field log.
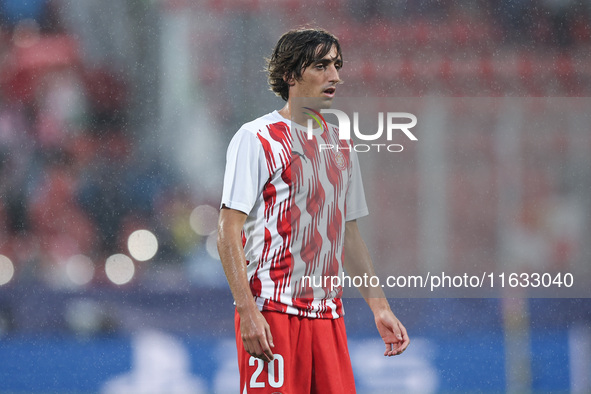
(298, 194)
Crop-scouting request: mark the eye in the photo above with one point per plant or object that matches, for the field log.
(320, 66)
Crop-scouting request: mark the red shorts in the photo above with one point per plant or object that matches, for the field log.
(311, 356)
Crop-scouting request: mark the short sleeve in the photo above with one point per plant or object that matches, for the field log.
(246, 172)
(356, 205)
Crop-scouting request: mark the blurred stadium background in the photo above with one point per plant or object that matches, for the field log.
(114, 118)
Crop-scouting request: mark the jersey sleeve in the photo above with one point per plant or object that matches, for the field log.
(246, 172)
(356, 205)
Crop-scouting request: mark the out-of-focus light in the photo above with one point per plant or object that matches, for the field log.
(84, 316)
(211, 245)
(80, 269)
(6, 270)
(142, 245)
(204, 219)
(119, 269)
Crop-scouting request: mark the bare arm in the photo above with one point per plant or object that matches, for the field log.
(255, 331)
(358, 263)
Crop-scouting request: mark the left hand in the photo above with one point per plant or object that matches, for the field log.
(392, 332)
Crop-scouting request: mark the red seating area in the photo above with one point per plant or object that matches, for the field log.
(464, 53)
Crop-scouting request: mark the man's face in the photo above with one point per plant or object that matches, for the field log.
(319, 79)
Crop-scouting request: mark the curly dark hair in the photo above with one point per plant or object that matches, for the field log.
(296, 50)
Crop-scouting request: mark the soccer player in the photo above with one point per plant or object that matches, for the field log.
(288, 214)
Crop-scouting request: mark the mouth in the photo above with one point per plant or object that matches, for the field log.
(329, 92)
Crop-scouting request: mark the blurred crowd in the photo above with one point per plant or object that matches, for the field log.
(71, 180)
(547, 22)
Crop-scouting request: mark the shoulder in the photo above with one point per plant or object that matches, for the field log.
(267, 135)
(270, 131)
(262, 124)
(248, 133)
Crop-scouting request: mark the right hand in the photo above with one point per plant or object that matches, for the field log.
(256, 335)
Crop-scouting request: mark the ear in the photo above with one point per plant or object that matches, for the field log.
(289, 79)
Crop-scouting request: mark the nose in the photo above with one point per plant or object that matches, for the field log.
(333, 74)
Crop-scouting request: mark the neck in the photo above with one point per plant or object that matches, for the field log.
(296, 113)
(289, 112)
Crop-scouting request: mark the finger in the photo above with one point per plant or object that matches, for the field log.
(390, 350)
(259, 352)
(248, 348)
(265, 357)
(249, 345)
(405, 343)
(400, 346)
(258, 347)
(399, 349)
(266, 352)
(252, 347)
(269, 336)
(393, 348)
(393, 352)
(405, 339)
(402, 330)
(398, 331)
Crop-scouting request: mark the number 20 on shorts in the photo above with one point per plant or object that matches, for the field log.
(275, 375)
